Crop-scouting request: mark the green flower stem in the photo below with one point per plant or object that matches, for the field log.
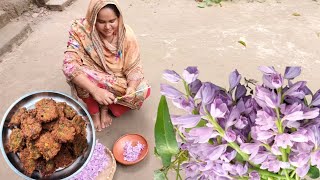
(293, 173)
(180, 134)
(284, 155)
(178, 171)
(269, 174)
(186, 87)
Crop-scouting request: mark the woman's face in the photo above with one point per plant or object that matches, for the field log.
(107, 22)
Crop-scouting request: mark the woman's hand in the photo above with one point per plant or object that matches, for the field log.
(130, 94)
(103, 96)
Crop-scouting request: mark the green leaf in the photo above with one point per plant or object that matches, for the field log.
(314, 172)
(243, 43)
(296, 14)
(159, 175)
(184, 157)
(165, 138)
(155, 152)
(202, 5)
(217, 1)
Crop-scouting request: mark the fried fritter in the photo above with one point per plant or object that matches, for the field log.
(46, 168)
(16, 141)
(80, 125)
(31, 128)
(33, 150)
(79, 145)
(48, 126)
(63, 131)
(64, 158)
(60, 107)
(29, 164)
(47, 146)
(17, 117)
(46, 110)
(32, 112)
(69, 112)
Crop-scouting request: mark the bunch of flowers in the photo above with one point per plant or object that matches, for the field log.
(97, 164)
(131, 153)
(249, 131)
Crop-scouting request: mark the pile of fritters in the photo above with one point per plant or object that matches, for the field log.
(49, 137)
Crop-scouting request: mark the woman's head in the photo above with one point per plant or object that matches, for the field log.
(107, 22)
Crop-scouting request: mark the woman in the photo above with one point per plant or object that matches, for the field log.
(102, 62)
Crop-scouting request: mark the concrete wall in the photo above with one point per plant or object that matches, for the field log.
(15, 7)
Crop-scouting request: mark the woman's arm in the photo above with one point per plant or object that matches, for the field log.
(102, 96)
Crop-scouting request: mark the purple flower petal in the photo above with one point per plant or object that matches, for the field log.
(292, 71)
(242, 122)
(170, 92)
(171, 76)
(299, 160)
(316, 99)
(218, 109)
(302, 171)
(250, 148)
(267, 70)
(254, 175)
(283, 140)
(234, 79)
(195, 86)
(184, 103)
(207, 93)
(230, 136)
(294, 90)
(190, 74)
(315, 158)
(202, 134)
(187, 121)
(217, 151)
(259, 158)
(240, 91)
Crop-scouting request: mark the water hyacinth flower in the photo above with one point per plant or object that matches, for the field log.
(271, 78)
(267, 98)
(234, 79)
(207, 93)
(190, 74)
(276, 130)
(292, 72)
(171, 76)
(195, 86)
(186, 121)
(170, 92)
(218, 109)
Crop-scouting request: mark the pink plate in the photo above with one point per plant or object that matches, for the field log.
(118, 148)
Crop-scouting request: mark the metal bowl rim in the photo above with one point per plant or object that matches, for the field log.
(38, 92)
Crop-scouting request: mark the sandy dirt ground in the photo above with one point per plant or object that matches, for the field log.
(172, 35)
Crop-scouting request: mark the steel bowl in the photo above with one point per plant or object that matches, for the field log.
(28, 101)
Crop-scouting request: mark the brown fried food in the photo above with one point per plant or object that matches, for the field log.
(63, 131)
(46, 110)
(60, 107)
(79, 145)
(29, 164)
(64, 158)
(47, 146)
(32, 112)
(46, 168)
(48, 126)
(80, 125)
(31, 128)
(69, 112)
(33, 150)
(17, 117)
(16, 140)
